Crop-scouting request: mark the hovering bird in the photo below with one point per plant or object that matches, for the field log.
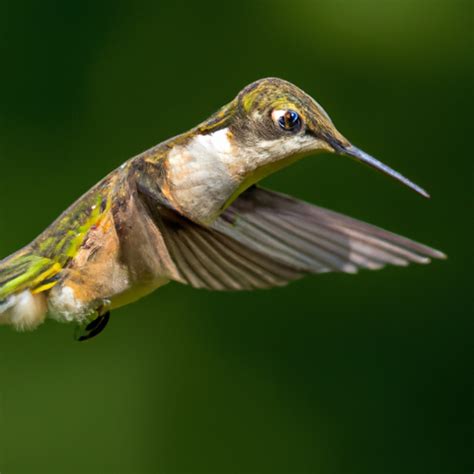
(189, 210)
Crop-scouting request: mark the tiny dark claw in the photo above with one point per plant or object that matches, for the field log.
(93, 324)
(95, 327)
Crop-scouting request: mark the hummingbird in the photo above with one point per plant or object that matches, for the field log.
(189, 210)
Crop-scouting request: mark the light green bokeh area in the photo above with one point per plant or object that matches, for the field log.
(333, 374)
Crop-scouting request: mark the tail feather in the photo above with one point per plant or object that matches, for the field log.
(25, 270)
(24, 277)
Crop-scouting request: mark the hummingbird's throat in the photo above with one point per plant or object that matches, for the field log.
(208, 172)
(202, 174)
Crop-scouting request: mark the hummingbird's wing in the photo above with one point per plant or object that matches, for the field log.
(206, 258)
(301, 232)
(266, 239)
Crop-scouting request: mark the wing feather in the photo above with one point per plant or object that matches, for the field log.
(267, 239)
(338, 242)
(205, 258)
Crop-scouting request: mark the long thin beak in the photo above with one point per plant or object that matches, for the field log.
(363, 157)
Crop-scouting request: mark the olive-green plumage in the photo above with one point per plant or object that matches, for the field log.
(187, 210)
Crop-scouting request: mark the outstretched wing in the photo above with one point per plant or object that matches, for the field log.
(266, 239)
(206, 258)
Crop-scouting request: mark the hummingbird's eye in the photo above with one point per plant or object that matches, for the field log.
(288, 120)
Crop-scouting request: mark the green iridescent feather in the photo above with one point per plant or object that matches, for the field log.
(36, 266)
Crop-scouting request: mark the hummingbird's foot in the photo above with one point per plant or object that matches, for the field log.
(94, 328)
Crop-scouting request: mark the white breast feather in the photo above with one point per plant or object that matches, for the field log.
(199, 175)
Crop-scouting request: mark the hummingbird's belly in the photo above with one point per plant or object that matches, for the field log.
(135, 293)
(74, 300)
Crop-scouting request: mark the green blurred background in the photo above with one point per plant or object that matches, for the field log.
(333, 374)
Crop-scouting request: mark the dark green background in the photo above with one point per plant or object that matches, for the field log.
(334, 374)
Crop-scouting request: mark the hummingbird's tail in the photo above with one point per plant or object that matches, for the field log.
(24, 277)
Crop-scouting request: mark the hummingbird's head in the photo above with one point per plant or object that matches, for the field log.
(273, 123)
(269, 125)
(281, 120)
